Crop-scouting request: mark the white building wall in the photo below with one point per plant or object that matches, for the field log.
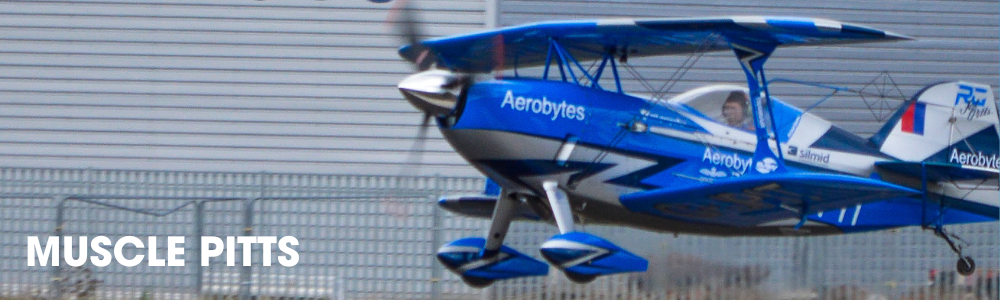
(223, 85)
(308, 86)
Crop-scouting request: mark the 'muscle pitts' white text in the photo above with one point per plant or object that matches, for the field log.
(123, 251)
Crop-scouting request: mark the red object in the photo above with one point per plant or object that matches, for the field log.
(908, 118)
(498, 56)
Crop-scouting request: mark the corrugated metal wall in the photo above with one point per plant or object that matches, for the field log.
(308, 86)
(955, 40)
(225, 85)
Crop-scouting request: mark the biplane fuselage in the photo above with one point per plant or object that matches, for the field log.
(604, 145)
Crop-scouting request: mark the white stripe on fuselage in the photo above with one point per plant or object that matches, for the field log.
(727, 137)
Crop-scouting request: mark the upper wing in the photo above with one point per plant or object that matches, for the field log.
(754, 200)
(527, 45)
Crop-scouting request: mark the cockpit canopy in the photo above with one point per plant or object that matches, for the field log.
(709, 101)
(713, 103)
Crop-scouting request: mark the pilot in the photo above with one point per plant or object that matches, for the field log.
(735, 111)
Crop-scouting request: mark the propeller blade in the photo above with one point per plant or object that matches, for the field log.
(395, 207)
(404, 18)
(416, 155)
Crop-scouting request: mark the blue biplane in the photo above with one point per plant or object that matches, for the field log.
(719, 160)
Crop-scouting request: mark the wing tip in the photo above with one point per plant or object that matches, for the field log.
(406, 52)
(889, 35)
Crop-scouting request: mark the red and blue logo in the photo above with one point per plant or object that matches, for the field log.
(913, 118)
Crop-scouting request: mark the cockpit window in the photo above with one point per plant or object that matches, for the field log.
(730, 107)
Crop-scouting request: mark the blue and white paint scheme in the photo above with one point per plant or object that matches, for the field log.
(464, 256)
(585, 256)
(565, 150)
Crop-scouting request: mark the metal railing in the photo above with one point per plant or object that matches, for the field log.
(360, 236)
(373, 237)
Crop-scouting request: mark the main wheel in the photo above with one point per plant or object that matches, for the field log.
(580, 278)
(965, 266)
(477, 282)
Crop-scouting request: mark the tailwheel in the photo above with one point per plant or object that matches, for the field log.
(477, 282)
(965, 266)
(580, 278)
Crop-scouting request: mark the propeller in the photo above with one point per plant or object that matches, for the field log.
(436, 92)
(404, 20)
(415, 156)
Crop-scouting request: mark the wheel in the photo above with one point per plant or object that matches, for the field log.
(965, 266)
(580, 278)
(477, 282)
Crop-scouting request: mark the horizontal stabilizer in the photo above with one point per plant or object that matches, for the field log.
(754, 200)
(939, 171)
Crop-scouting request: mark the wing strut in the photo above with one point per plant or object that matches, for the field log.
(565, 62)
(752, 55)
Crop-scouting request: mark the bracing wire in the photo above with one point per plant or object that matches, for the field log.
(656, 94)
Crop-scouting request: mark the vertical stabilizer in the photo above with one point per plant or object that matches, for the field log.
(951, 122)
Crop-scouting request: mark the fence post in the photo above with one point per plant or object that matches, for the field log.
(436, 271)
(435, 242)
(801, 259)
(56, 290)
(341, 295)
(245, 279)
(246, 282)
(199, 231)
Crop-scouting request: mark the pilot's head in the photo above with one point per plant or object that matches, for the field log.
(734, 110)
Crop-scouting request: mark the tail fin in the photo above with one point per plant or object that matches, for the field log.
(951, 122)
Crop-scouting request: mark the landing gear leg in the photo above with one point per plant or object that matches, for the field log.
(560, 206)
(965, 265)
(503, 214)
(559, 203)
(582, 256)
(481, 261)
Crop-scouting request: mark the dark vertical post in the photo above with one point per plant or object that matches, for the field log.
(57, 231)
(199, 231)
(245, 269)
(436, 272)
(800, 258)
